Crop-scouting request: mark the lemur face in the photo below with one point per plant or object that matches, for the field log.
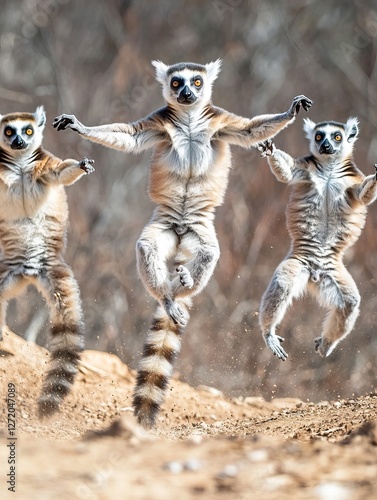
(20, 132)
(187, 84)
(331, 139)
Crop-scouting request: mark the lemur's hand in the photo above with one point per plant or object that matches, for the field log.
(273, 342)
(266, 148)
(86, 165)
(375, 166)
(63, 122)
(297, 102)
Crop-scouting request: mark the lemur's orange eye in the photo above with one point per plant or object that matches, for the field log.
(29, 131)
(175, 84)
(338, 137)
(198, 82)
(8, 132)
(318, 137)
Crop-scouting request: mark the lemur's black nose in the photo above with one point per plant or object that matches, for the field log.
(18, 143)
(326, 148)
(186, 96)
(186, 92)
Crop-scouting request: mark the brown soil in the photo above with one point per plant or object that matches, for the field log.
(205, 446)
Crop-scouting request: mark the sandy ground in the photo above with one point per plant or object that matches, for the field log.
(205, 446)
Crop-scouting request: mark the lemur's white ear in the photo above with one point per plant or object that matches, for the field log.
(213, 69)
(352, 129)
(309, 127)
(161, 70)
(40, 116)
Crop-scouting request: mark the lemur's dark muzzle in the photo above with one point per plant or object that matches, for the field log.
(18, 143)
(186, 96)
(326, 148)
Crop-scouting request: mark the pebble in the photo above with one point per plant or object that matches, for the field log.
(211, 390)
(229, 470)
(177, 467)
(257, 455)
(193, 464)
(174, 467)
(333, 491)
(195, 438)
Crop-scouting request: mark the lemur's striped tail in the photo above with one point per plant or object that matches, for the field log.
(161, 347)
(66, 346)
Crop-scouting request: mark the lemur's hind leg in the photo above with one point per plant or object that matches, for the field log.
(156, 245)
(339, 293)
(199, 252)
(288, 282)
(61, 291)
(10, 285)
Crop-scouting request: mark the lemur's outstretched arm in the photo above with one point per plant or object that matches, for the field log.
(366, 192)
(66, 172)
(281, 164)
(129, 137)
(146, 133)
(50, 170)
(244, 132)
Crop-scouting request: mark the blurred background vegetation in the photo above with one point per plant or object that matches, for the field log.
(92, 59)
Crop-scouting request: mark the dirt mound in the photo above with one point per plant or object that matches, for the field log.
(205, 444)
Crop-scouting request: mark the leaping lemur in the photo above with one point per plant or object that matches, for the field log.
(325, 216)
(33, 226)
(188, 178)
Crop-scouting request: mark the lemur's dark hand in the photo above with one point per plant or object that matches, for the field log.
(375, 174)
(266, 148)
(86, 165)
(297, 102)
(63, 122)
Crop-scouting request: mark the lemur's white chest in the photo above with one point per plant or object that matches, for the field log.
(191, 152)
(329, 187)
(20, 196)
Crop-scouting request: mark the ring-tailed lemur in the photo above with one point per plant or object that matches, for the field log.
(188, 179)
(33, 223)
(325, 215)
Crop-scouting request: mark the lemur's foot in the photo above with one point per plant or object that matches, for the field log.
(185, 277)
(63, 122)
(324, 347)
(176, 312)
(317, 344)
(297, 102)
(86, 165)
(273, 342)
(266, 148)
